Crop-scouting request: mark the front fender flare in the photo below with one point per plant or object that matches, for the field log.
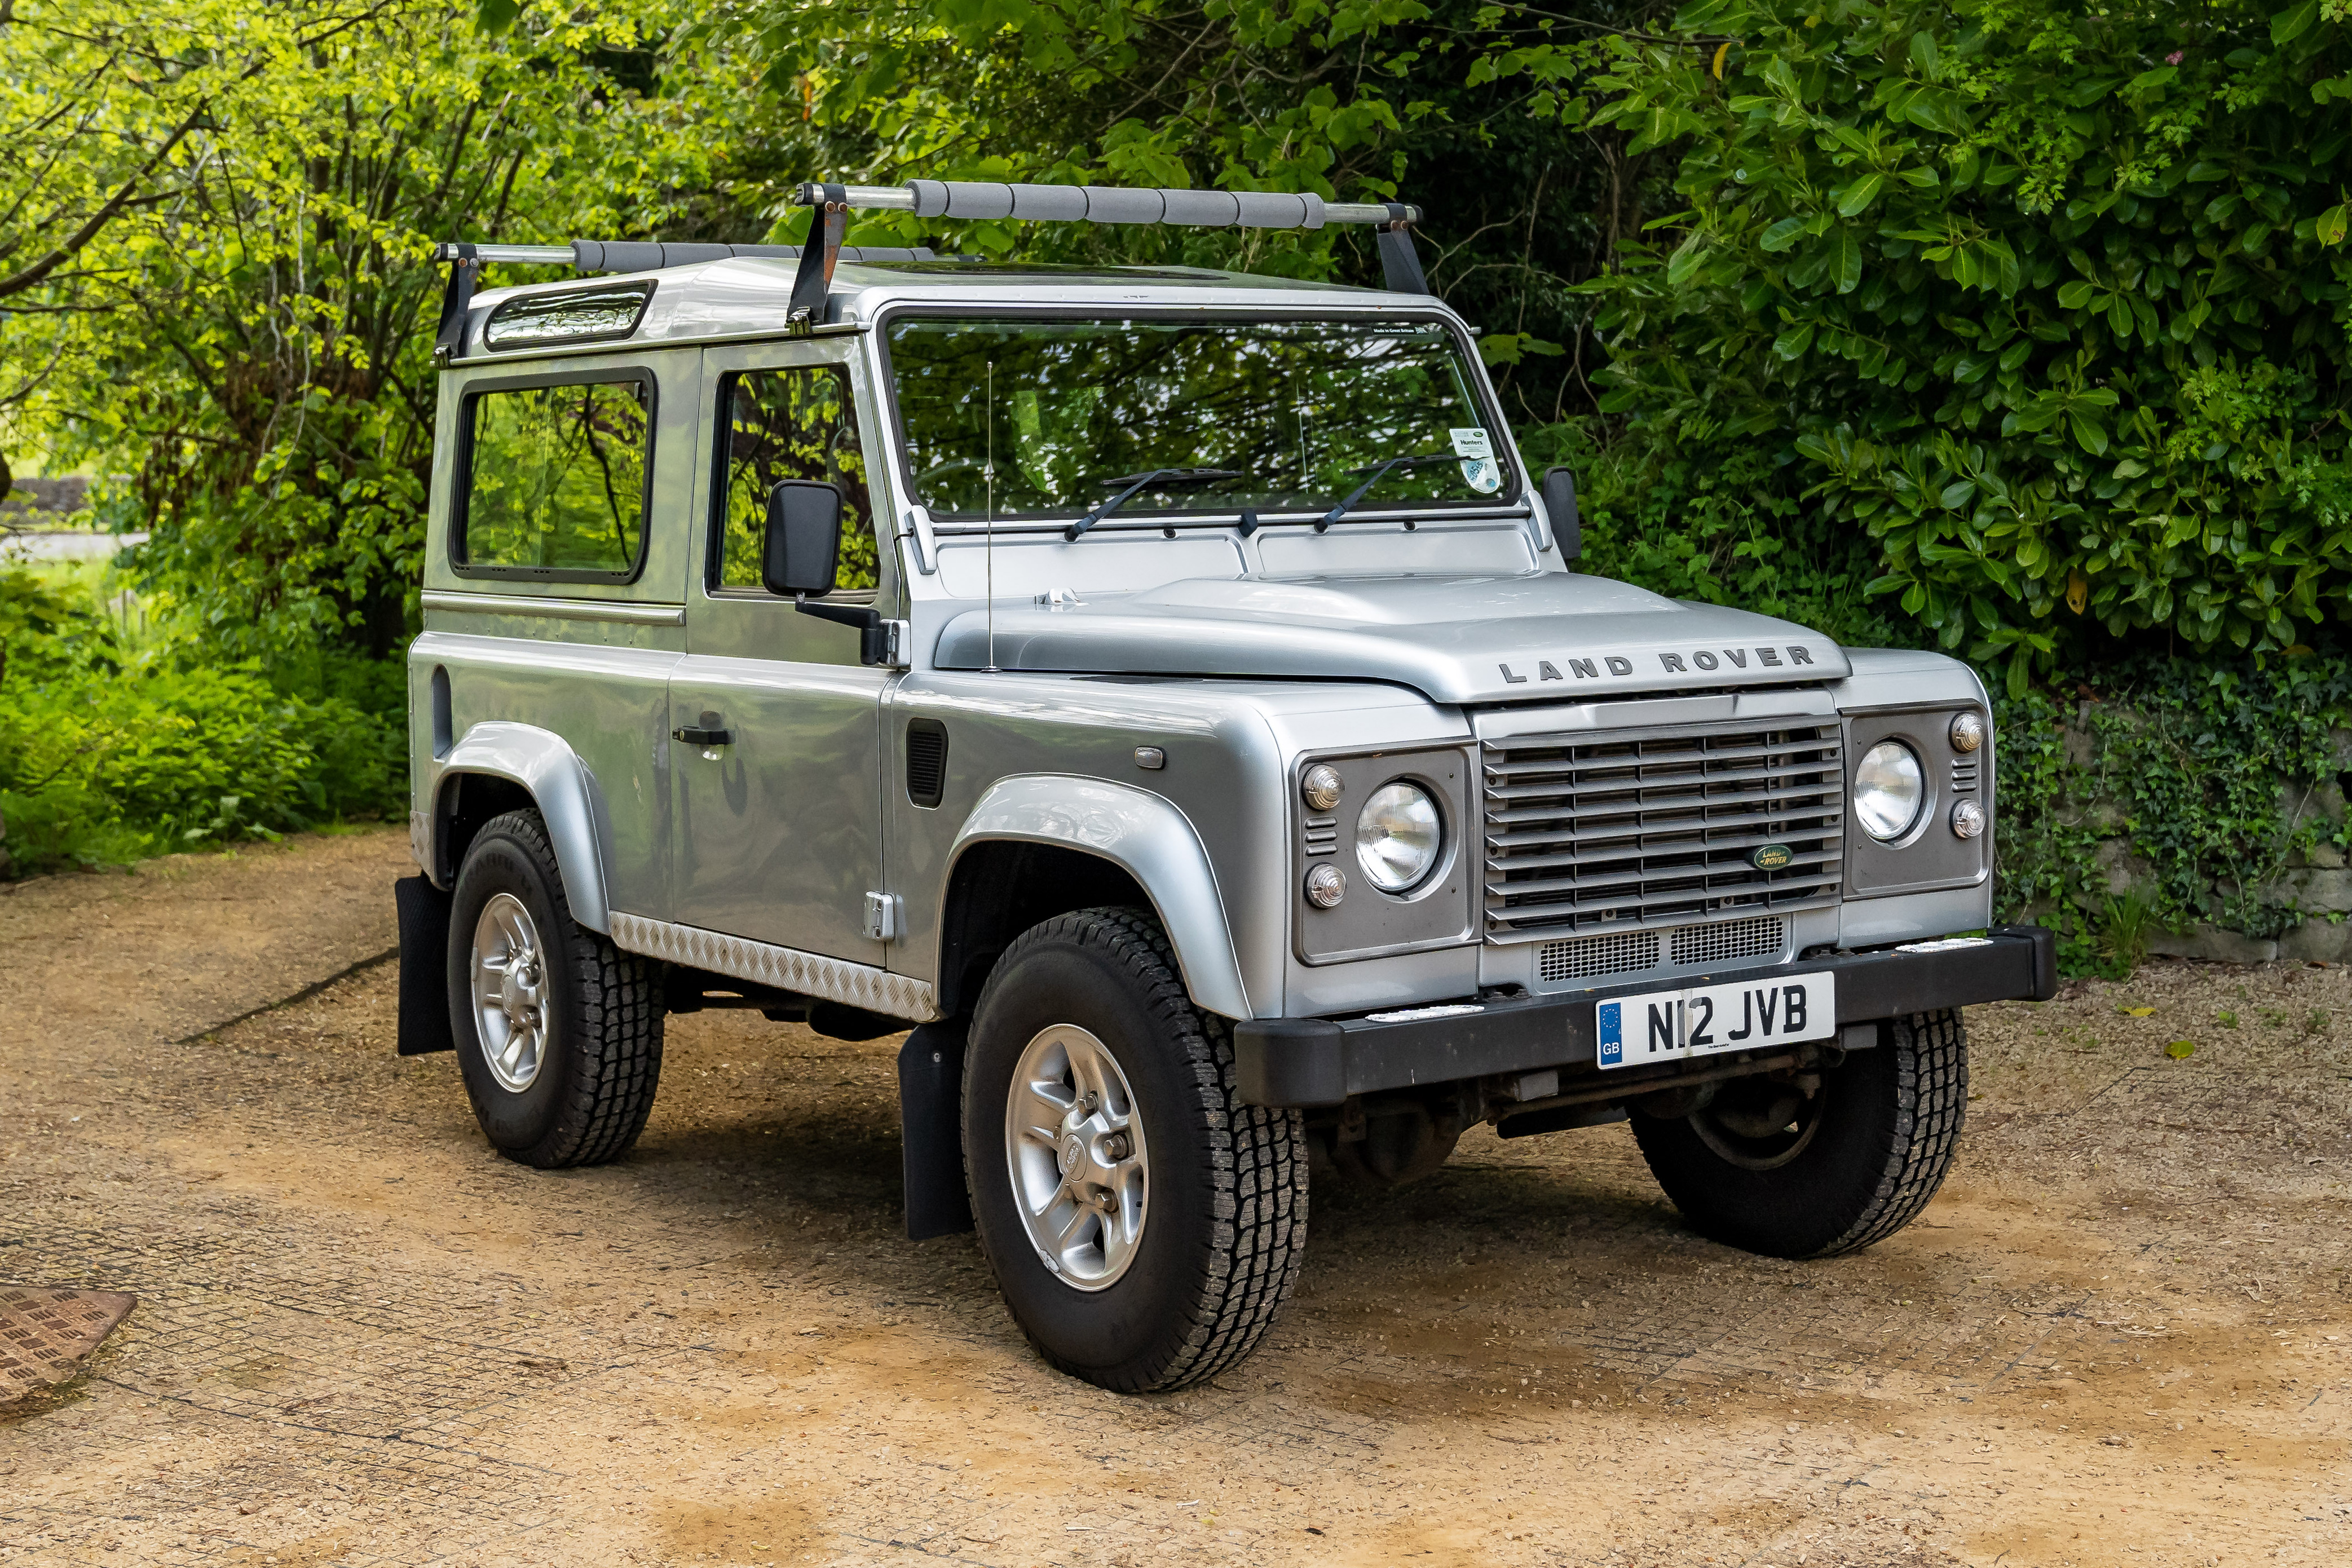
(1147, 836)
(560, 784)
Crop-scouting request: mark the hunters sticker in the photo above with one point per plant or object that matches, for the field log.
(1475, 448)
(1771, 857)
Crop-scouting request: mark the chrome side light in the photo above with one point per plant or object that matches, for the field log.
(1320, 788)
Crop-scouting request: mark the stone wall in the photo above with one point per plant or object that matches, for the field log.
(2309, 877)
(44, 503)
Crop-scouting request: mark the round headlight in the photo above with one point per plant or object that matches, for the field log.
(1888, 789)
(1398, 835)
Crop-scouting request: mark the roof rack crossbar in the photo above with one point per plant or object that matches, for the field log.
(651, 256)
(1109, 205)
(978, 199)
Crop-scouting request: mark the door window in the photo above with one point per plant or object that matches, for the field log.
(795, 424)
(555, 481)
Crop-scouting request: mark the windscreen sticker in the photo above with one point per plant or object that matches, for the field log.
(1475, 448)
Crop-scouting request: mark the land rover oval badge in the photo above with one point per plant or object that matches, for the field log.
(1771, 857)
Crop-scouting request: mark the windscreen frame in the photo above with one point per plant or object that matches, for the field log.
(1510, 502)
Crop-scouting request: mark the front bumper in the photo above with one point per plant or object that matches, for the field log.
(1322, 1061)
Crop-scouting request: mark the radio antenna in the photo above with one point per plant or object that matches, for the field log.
(987, 550)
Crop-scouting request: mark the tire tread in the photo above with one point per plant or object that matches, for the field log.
(617, 1033)
(1931, 1105)
(1257, 1159)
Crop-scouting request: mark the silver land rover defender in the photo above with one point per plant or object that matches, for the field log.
(1167, 693)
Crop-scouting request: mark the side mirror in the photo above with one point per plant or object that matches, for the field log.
(804, 545)
(1559, 504)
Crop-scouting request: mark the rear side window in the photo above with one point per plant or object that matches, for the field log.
(556, 480)
(795, 424)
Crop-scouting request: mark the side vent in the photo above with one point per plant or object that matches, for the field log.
(927, 761)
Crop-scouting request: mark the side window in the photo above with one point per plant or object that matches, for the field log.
(797, 424)
(555, 482)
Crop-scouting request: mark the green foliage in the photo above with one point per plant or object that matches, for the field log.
(248, 344)
(2125, 925)
(1723, 531)
(2211, 770)
(108, 757)
(1452, 104)
(2048, 302)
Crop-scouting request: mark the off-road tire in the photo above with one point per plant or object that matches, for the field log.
(1227, 1228)
(603, 1057)
(1887, 1134)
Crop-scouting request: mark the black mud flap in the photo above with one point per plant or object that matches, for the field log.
(930, 1094)
(424, 967)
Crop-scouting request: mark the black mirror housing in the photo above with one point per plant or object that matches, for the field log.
(1559, 504)
(803, 552)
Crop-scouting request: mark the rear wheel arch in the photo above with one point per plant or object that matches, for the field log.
(498, 767)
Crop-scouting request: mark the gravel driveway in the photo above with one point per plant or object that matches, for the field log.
(2122, 1334)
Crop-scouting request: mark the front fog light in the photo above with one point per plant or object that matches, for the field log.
(1325, 886)
(1888, 789)
(1968, 819)
(1398, 835)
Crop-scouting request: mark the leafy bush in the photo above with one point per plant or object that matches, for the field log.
(105, 758)
(1717, 527)
(2049, 301)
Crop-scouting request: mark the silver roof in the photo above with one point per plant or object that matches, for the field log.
(750, 297)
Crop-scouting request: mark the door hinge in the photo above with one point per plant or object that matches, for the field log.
(882, 917)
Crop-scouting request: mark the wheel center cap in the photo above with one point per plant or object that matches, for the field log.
(1074, 1153)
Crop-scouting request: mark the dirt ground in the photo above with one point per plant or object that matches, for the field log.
(2122, 1335)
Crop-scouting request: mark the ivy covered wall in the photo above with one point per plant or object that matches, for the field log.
(2191, 806)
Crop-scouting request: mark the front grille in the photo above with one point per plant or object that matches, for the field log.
(1964, 776)
(1621, 953)
(1761, 938)
(1657, 827)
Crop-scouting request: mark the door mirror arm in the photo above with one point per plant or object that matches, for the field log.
(873, 637)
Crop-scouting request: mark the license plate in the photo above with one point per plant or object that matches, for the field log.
(1672, 1026)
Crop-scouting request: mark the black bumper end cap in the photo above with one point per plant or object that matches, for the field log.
(1290, 1062)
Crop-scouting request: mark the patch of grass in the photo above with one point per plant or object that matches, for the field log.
(2126, 925)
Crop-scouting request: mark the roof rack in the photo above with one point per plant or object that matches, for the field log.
(1392, 221)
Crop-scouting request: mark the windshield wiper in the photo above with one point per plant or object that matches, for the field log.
(1378, 472)
(1161, 478)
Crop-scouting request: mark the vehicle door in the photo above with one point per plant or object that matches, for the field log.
(778, 817)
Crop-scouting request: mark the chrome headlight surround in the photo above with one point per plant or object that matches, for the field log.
(1399, 842)
(1932, 853)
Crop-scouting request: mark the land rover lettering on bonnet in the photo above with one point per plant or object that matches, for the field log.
(1166, 697)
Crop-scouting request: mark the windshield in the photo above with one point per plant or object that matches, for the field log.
(1277, 415)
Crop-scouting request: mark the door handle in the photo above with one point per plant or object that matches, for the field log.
(711, 731)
